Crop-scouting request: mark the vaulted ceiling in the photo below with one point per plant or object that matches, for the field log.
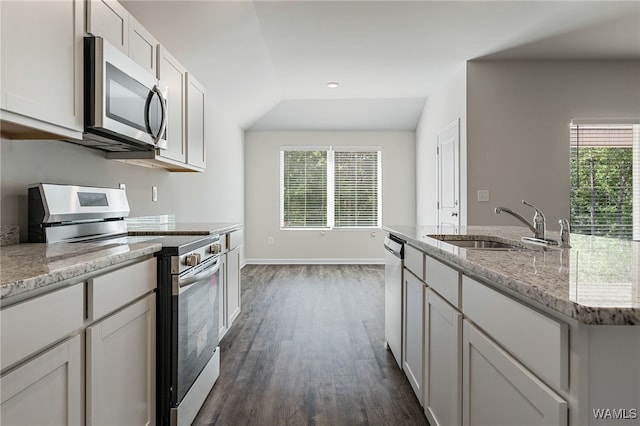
(266, 63)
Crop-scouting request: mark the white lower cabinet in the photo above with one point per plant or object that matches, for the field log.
(233, 284)
(498, 390)
(413, 331)
(230, 288)
(443, 361)
(82, 354)
(121, 367)
(223, 297)
(45, 390)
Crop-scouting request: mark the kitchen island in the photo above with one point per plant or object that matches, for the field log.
(525, 335)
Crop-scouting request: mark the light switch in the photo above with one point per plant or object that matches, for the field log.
(154, 193)
(483, 195)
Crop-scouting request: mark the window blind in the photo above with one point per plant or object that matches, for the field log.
(326, 188)
(603, 169)
(356, 188)
(303, 189)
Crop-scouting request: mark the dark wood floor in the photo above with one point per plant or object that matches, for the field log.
(308, 349)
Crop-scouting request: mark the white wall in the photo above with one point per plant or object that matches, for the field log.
(518, 116)
(262, 165)
(445, 105)
(216, 195)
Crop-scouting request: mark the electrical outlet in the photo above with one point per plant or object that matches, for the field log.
(483, 195)
(122, 186)
(270, 241)
(154, 193)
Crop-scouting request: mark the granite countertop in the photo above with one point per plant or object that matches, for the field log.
(596, 281)
(167, 225)
(27, 267)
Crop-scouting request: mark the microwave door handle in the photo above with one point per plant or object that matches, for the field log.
(184, 283)
(163, 107)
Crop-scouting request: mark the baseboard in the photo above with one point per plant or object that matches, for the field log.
(339, 261)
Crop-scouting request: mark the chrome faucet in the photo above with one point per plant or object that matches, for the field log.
(538, 225)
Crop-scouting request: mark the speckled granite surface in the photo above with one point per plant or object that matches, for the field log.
(9, 235)
(597, 281)
(26, 267)
(167, 225)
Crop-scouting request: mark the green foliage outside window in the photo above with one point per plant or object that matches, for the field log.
(601, 191)
(305, 189)
(356, 189)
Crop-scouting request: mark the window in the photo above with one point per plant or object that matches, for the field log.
(605, 161)
(330, 188)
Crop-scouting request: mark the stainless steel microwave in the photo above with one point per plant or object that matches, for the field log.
(125, 107)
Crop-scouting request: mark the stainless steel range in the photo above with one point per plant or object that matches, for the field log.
(187, 352)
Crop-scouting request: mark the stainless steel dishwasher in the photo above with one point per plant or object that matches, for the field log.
(393, 257)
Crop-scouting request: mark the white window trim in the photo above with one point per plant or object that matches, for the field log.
(330, 149)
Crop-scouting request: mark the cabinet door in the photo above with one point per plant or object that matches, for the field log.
(143, 46)
(233, 284)
(121, 367)
(41, 73)
(45, 390)
(196, 150)
(110, 20)
(443, 362)
(413, 326)
(498, 390)
(173, 75)
(223, 296)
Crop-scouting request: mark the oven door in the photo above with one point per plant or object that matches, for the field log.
(195, 317)
(123, 100)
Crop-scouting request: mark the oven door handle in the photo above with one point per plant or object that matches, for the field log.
(184, 283)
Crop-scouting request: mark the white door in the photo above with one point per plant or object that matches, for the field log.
(498, 390)
(120, 367)
(448, 150)
(45, 390)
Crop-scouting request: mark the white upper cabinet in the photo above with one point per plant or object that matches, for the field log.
(196, 147)
(109, 20)
(172, 74)
(41, 76)
(142, 46)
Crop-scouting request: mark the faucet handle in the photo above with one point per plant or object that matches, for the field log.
(564, 233)
(539, 221)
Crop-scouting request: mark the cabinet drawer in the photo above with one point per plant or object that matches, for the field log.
(112, 290)
(414, 261)
(36, 323)
(444, 280)
(538, 341)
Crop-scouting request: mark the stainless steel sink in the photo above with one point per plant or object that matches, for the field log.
(481, 242)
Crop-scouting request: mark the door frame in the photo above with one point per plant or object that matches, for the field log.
(454, 125)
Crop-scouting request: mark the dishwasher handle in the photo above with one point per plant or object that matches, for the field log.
(393, 247)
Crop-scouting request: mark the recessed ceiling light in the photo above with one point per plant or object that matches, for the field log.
(332, 84)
